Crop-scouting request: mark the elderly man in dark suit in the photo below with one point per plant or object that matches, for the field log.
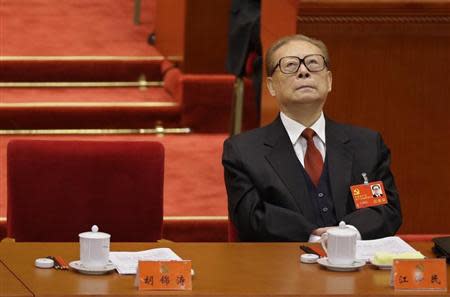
(290, 180)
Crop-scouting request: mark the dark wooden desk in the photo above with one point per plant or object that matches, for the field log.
(221, 269)
(10, 285)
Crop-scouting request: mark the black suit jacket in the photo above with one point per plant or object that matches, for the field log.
(268, 199)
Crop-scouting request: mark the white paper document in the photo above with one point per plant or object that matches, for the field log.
(366, 249)
(127, 262)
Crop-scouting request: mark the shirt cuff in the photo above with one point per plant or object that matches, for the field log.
(313, 238)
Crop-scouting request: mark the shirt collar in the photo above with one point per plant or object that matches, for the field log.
(295, 129)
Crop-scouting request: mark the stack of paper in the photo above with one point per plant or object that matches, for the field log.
(366, 249)
(127, 262)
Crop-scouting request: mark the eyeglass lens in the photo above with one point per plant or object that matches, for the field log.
(312, 62)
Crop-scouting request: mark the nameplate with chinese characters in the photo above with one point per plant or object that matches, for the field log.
(164, 275)
(370, 194)
(420, 274)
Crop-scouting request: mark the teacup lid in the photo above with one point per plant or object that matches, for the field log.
(342, 230)
(94, 234)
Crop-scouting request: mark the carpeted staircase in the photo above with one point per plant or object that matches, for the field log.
(83, 64)
(79, 64)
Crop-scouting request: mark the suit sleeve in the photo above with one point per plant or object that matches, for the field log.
(254, 218)
(384, 220)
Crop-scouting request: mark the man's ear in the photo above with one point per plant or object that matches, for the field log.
(269, 83)
(330, 80)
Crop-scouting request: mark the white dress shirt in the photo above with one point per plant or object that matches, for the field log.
(294, 130)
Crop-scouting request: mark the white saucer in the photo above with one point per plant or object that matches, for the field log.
(348, 267)
(92, 270)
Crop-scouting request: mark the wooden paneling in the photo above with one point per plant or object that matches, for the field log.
(194, 32)
(391, 72)
(277, 20)
(169, 27)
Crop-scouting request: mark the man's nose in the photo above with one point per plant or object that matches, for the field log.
(303, 72)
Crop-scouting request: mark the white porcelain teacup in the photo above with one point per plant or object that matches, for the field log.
(94, 248)
(340, 244)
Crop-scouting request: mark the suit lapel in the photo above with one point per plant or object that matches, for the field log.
(284, 161)
(340, 159)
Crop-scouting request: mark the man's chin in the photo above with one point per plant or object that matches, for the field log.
(309, 99)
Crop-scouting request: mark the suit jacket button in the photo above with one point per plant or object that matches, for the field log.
(320, 195)
(325, 209)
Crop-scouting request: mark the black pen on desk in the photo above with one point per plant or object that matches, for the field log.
(308, 250)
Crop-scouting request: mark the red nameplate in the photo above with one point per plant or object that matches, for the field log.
(165, 275)
(420, 274)
(370, 194)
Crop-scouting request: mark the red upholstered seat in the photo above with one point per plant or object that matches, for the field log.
(57, 189)
(233, 235)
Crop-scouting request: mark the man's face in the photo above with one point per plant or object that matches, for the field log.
(302, 87)
(376, 190)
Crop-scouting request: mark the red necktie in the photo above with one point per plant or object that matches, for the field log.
(313, 158)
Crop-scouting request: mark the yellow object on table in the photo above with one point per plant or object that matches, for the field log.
(385, 258)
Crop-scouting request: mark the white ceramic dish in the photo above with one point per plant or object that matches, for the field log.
(350, 267)
(92, 270)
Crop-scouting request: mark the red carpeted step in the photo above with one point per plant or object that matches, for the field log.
(76, 40)
(83, 108)
(81, 69)
(67, 95)
(74, 28)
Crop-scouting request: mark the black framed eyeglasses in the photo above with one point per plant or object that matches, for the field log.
(291, 64)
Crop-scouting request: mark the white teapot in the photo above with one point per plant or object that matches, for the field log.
(340, 244)
(94, 248)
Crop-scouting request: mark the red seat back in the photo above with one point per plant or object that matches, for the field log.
(58, 189)
(233, 235)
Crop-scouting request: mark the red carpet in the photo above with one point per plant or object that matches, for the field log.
(96, 40)
(117, 95)
(74, 28)
(193, 184)
(92, 41)
(80, 69)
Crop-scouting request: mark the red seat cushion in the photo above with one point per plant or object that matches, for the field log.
(233, 235)
(58, 189)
